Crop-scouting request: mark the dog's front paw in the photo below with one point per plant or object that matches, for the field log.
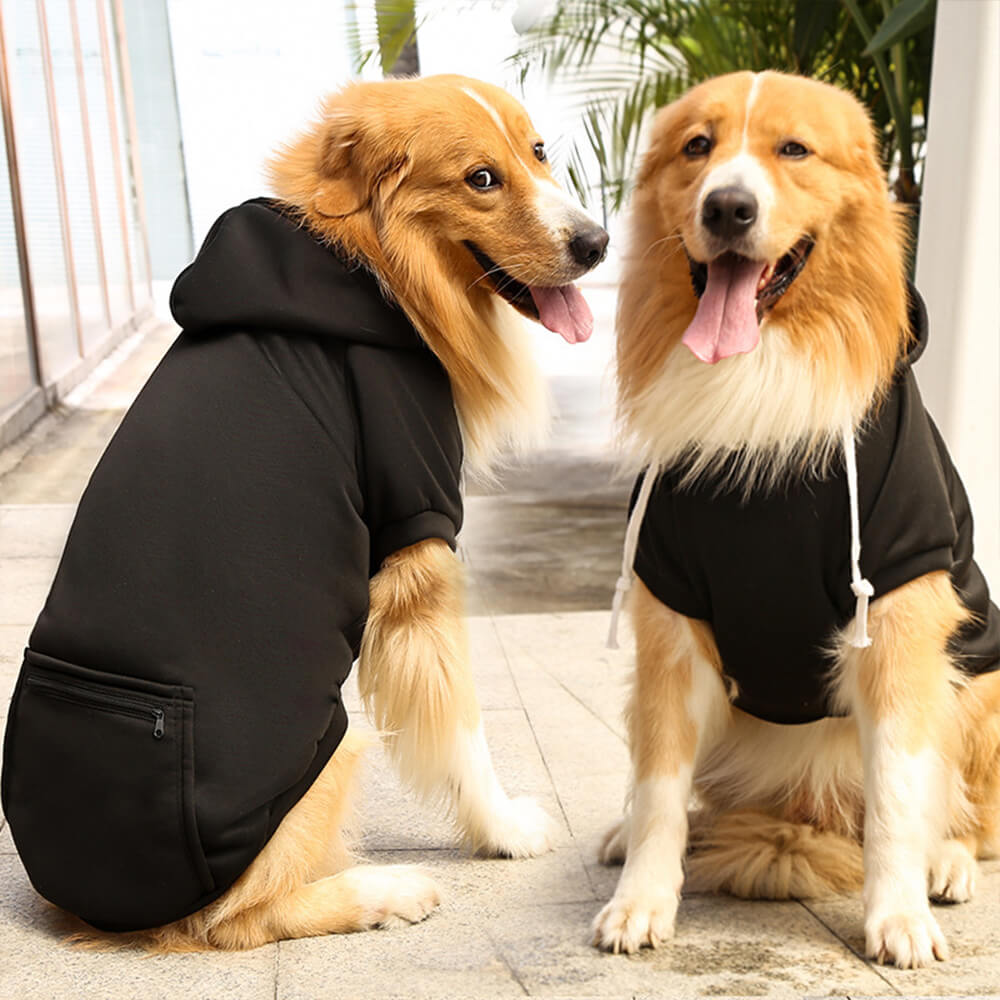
(614, 846)
(520, 828)
(629, 923)
(952, 876)
(909, 940)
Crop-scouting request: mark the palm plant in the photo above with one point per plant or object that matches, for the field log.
(391, 37)
(625, 58)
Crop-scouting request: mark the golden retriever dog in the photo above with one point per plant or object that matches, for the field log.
(766, 334)
(340, 346)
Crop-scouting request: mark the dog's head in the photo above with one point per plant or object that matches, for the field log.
(763, 301)
(445, 175)
(772, 186)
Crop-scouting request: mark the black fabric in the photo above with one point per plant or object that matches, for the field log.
(771, 573)
(296, 433)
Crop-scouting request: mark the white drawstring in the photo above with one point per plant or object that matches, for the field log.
(861, 587)
(628, 554)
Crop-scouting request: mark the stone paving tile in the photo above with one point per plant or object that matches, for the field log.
(722, 947)
(474, 888)
(36, 965)
(972, 930)
(57, 468)
(13, 639)
(445, 956)
(34, 529)
(571, 649)
(24, 585)
(574, 742)
(587, 760)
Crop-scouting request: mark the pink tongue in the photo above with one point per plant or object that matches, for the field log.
(564, 310)
(726, 320)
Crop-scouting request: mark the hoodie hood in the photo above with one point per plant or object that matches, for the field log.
(260, 269)
(917, 315)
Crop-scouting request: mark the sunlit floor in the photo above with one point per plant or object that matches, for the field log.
(542, 549)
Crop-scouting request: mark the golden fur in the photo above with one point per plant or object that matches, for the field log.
(382, 176)
(839, 196)
(910, 779)
(389, 191)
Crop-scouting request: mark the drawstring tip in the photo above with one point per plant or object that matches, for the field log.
(621, 589)
(863, 591)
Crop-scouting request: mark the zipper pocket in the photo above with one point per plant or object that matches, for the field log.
(79, 693)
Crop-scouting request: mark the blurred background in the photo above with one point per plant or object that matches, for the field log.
(129, 125)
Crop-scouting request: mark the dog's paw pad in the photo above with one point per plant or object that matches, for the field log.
(908, 940)
(614, 846)
(952, 876)
(520, 829)
(626, 925)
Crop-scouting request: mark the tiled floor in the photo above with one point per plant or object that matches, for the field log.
(542, 555)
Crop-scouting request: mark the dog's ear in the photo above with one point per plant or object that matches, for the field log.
(362, 156)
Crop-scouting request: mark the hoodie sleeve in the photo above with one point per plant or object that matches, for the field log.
(908, 526)
(409, 448)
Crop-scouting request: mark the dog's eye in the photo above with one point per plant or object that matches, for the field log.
(483, 179)
(793, 150)
(539, 150)
(700, 145)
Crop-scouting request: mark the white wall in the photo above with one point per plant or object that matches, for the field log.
(248, 75)
(958, 263)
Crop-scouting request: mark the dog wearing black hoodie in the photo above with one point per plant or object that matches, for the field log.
(283, 496)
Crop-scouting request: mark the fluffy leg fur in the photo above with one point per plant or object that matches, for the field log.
(414, 677)
(678, 705)
(904, 693)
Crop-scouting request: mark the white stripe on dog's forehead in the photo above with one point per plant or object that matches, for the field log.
(495, 115)
(751, 97)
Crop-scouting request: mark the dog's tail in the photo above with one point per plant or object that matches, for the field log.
(750, 854)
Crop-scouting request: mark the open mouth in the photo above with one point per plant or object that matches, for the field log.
(505, 285)
(560, 308)
(774, 281)
(734, 293)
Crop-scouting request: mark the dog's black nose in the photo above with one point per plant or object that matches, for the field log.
(729, 212)
(589, 245)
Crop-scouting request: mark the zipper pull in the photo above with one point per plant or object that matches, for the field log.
(158, 724)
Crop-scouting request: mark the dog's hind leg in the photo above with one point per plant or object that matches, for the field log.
(677, 707)
(415, 679)
(974, 831)
(305, 882)
(952, 871)
(903, 690)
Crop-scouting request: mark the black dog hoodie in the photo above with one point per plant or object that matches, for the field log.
(181, 689)
(772, 572)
